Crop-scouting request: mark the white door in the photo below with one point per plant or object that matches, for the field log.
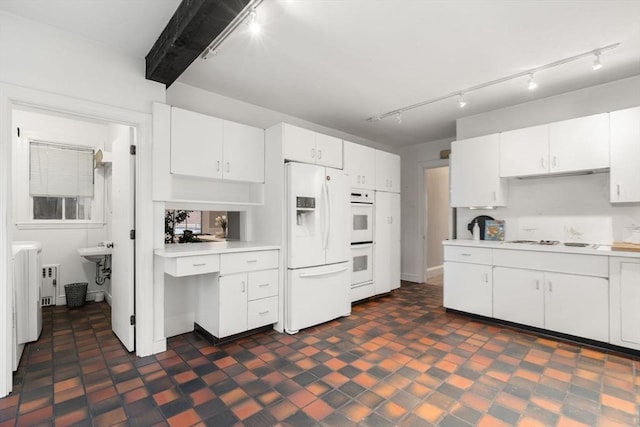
(382, 246)
(625, 154)
(328, 151)
(360, 165)
(299, 144)
(518, 296)
(233, 304)
(387, 171)
(394, 229)
(468, 287)
(579, 144)
(122, 259)
(525, 151)
(306, 215)
(629, 303)
(338, 208)
(577, 305)
(243, 152)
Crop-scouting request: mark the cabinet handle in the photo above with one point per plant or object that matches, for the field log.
(486, 278)
(543, 164)
(363, 180)
(200, 264)
(358, 179)
(390, 220)
(218, 166)
(390, 183)
(251, 260)
(537, 285)
(319, 154)
(465, 254)
(494, 196)
(555, 161)
(263, 285)
(618, 189)
(550, 286)
(264, 312)
(228, 167)
(243, 286)
(313, 153)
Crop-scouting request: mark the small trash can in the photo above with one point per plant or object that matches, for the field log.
(76, 294)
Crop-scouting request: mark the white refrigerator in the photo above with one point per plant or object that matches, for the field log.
(318, 275)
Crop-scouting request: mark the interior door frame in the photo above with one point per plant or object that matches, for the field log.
(144, 284)
(422, 210)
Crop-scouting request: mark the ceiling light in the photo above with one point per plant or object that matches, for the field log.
(596, 61)
(531, 84)
(399, 117)
(254, 25)
(461, 102)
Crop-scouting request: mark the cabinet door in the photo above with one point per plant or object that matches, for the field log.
(382, 246)
(524, 152)
(360, 164)
(577, 305)
(233, 304)
(579, 144)
(387, 171)
(468, 287)
(475, 179)
(328, 151)
(629, 302)
(625, 155)
(518, 296)
(243, 152)
(196, 144)
(299, 144)
(395, 257)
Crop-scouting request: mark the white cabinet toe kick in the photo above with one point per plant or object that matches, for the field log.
(591, 297)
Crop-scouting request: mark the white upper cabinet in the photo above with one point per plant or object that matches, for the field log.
(579, 144)
(196, 144)
(303, 145)
(625, 155)
(387, 167)
(575, 145)
(524, 152)
(360, 165)
(475, 178)
(243, 152)
(209, 147)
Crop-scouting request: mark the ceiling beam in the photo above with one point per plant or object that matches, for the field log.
(194, 25)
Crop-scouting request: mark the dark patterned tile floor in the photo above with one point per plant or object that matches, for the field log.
(399, 360)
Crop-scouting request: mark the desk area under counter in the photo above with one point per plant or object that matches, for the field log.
(219, 288)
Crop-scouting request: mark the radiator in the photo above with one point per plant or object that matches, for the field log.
(50, 279)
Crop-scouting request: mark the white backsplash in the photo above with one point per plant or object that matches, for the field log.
(580, 229)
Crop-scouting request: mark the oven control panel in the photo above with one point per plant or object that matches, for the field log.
(361, 196)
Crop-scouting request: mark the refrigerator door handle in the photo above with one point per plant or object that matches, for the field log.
(328, 208)
(325, 216)
(324, 273)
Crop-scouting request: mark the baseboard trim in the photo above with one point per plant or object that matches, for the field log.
(410, 278)
(435, 271)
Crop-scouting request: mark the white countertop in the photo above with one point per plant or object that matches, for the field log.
(559, 248)
(207, 248)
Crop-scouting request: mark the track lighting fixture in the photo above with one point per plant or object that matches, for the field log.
(596, 61)
(461, 102)
(252, 22)
(531, 83)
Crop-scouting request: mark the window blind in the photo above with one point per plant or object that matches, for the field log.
(59, 170)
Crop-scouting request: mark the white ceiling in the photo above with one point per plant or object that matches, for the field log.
(336, 63)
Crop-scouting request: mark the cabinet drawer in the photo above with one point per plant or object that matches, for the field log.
(467, 254)
(263, 284)
(192, 265)
(262, 312)
(248, 261)
(587, 265)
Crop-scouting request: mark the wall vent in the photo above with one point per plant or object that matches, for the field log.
(50, 280)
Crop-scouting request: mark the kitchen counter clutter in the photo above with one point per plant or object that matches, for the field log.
(235, 285)
(586, 292)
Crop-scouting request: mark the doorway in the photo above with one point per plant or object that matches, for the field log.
(437, 220)
(73, 187)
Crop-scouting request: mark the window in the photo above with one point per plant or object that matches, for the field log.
(61, 181)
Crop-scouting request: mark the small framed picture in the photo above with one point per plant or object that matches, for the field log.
(494, 230)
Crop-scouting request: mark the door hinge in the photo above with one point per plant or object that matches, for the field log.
(18, 132)
(132, 150)
(132, 234)
(132, 319)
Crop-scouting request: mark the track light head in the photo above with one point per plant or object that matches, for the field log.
(254, 25)
(596, 61)
(399, 117)
(532, 85)
(461, 102)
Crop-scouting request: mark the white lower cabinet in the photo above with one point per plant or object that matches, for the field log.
(624, 299)
(566, 303)
(468, 287)
(244, 296)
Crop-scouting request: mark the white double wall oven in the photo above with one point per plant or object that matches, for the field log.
(361, 240)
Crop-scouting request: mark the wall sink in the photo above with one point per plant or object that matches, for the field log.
(95, 253)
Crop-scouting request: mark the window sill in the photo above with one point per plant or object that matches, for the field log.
(50, 225)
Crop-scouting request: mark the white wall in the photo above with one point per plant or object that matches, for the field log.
(414, 159)
(59, 245)
(438, 216)
(562, 199)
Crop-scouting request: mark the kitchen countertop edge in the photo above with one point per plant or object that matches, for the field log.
(603, 250)
(210, 248)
